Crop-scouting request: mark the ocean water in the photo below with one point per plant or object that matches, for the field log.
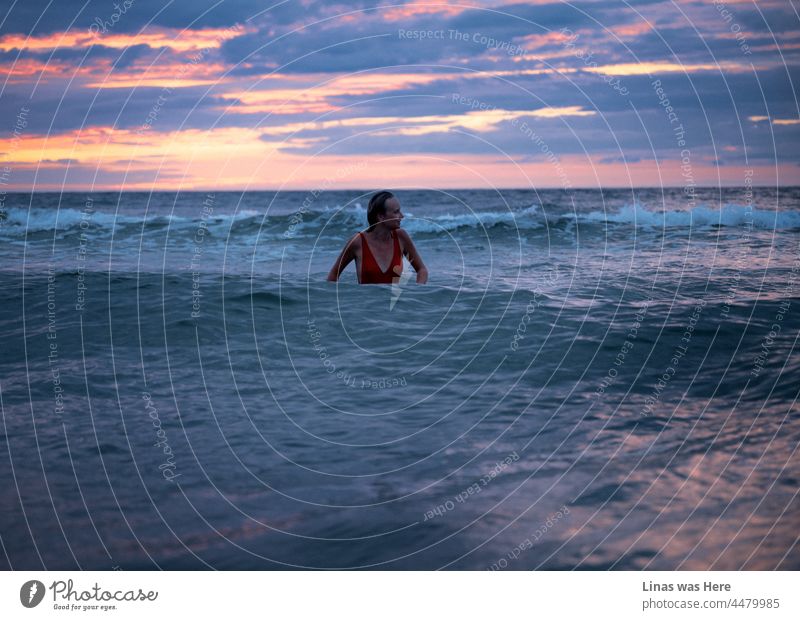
(590, 380)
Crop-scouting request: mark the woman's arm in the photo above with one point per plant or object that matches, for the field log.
(410, 250)
(345, 257)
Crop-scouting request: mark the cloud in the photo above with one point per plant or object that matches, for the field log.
(662, 67)
(40, 17)
(305, 77)
(774, 121)
(479, 121)
(180, 40)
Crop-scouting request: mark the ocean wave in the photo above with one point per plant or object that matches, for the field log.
(698, 217)
(312, 222)
(35, 220)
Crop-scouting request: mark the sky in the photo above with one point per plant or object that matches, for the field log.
(240, 94)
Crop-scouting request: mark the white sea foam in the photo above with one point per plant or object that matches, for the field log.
(700, 216)
(354, 217)
(39, 220)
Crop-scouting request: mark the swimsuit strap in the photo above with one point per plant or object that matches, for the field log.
(365, 247)
(397, 253)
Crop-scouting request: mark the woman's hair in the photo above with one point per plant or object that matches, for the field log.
(377, 206)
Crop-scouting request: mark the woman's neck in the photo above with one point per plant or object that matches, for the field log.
(382, 233)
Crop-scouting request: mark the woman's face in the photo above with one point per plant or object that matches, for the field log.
(393, 215)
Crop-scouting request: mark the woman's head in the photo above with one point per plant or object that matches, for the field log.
(383, 206)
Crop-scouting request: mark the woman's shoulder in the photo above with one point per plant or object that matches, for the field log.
(354, 242)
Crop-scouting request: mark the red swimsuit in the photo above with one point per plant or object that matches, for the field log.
(370, 270)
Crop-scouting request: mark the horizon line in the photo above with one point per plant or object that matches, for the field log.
(406, 189)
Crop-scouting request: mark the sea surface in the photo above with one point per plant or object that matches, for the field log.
(589, 380)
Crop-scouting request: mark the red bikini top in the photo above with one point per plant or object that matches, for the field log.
(370, 270)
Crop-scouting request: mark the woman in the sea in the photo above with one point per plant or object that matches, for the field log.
(383, 243)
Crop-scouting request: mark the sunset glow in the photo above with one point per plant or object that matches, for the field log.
(587, 86)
